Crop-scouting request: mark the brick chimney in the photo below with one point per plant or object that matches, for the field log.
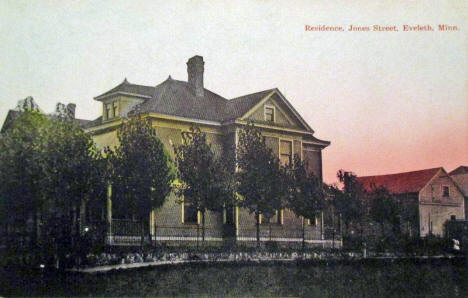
(195, 70)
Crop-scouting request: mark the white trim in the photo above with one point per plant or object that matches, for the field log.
(317, 241)
(313, 143)
(182, 119)
(274, 112)
(122, 93)
(258, 105)
(298, 116)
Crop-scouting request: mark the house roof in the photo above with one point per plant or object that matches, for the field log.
(238, 106)
(177, 98)
(13, 114)
(126, 87)
(459, 171)
(400, 183)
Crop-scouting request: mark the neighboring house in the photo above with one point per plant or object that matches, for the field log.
(460, 176)
(29, 104)
(433, 192)
(173, 107)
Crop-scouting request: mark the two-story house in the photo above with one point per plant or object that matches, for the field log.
(173, 107)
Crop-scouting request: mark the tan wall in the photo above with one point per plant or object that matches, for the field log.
(106, 139)
(436, 209)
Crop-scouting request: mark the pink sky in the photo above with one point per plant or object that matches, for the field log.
(388, 101)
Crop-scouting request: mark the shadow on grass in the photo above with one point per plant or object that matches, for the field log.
(374, 278)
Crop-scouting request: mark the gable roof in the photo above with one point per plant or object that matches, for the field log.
(400, 183)
(459, 171)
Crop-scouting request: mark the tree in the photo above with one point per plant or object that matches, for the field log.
(22, 170)
(47, 166)
(349, 202)
(143, 172)
(72, 175)
(305, 195)
(260, 178)
(204, 180)
(383, 208)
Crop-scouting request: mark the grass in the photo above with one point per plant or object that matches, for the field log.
(363, 279)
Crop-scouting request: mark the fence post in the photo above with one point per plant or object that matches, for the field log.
(321, 229)
(109, 213)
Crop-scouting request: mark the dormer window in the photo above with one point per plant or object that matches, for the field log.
(269, 114)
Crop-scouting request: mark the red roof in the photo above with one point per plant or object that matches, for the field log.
(408, 182)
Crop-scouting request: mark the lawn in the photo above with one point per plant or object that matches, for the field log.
(370, 279)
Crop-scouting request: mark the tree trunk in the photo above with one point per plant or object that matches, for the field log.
(142, 242)
(203, 226)
(149, 232)
(34, 230)
(198, 232)
(303, 233)
(257, 218)
(269, 227)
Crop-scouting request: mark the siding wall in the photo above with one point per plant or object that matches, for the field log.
(436, 209)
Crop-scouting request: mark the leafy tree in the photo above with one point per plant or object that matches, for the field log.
(306, 196)
(349, 202)
(22, 170)
(383, 208)
(47, 166)
(205, 184)
(143, 172)
(260, 178)
(72, 173)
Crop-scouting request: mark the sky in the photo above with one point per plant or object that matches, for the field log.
(388, 101)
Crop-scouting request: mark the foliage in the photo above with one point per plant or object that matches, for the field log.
(383, 208)
(350, 201)
(22, 169)
(48, 171)
(306, 197)
(142, 170)
(261, 179)
(205, 180)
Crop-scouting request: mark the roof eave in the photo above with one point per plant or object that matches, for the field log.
(104, 96)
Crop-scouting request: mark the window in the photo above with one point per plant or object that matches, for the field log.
(275, 219)
(115, 109)
(445, 191)
(279, 217)
(269, 114)
(190, 213)
(107, 111)
(286, 152)
(312, 221)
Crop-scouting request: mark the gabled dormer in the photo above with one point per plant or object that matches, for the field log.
(121, 99)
